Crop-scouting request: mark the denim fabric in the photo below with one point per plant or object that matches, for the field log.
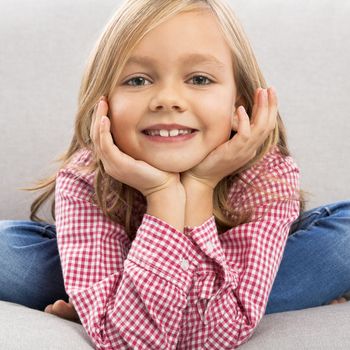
(30, 267)
(315, 266)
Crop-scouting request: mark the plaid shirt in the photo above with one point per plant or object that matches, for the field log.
(167, 289)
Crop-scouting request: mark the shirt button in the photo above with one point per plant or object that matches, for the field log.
(184, 264)
(209, 246)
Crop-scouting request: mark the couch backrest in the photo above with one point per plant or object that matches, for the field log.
(303, 48)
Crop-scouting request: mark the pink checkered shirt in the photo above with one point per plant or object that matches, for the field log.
(165, 289)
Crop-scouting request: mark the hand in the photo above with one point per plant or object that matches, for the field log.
(135, 173)
(236, 152)
(64, 310)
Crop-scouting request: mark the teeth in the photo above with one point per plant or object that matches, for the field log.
(164, 133)
(174, 132)
(167, 133)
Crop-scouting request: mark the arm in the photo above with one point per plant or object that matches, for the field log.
(158, 206)
(199, 203)
(126, 295)
(236, 279)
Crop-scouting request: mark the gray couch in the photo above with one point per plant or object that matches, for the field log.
(303, 49)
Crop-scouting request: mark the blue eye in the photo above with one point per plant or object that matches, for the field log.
(140, 78)
(203, 77)
(135, 79)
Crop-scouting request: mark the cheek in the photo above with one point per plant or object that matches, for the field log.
(121, 122)
(124, 111)
(222, 130)
(226, 128)
(219, 109)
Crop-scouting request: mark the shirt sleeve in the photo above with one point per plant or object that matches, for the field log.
(169, 290)
(242, 262)
(127, 296)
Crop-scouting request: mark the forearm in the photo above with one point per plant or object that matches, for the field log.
(169, 206)
(199, 203)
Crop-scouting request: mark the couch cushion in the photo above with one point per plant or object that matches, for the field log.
(25, 328)
(325, 327)
(319, 328)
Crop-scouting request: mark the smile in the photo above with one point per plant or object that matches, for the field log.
(169, 135)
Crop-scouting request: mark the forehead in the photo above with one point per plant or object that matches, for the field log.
(186, 38)
(188, 58)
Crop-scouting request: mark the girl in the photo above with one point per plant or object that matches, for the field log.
(176, 197)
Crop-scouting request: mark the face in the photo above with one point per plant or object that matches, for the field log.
(171, 88)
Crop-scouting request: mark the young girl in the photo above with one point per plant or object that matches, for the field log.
(178, 196)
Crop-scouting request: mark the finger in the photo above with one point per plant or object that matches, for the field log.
(262, 116)
(109, 152)
(273, 108)
(102, 110)
(93, 119)
(235, 121)
(244, 130)
(255, 105)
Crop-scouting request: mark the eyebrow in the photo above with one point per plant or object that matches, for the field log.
(192, 58)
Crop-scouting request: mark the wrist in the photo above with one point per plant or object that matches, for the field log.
(195, 188)
(168, 205)
(199, 203)
(191, 183)
(175, 193)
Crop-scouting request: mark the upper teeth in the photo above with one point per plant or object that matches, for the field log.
(167, 133)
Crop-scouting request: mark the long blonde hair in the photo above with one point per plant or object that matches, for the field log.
(131, 22)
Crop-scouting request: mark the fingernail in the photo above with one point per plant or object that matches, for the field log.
(241, 110)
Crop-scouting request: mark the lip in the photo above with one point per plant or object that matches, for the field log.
(171, 139)
(169, 127)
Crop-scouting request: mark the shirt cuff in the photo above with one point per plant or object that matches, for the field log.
(206, 237)
(163, 250)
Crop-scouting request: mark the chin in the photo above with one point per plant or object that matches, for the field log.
(172, 165)
(174, 169)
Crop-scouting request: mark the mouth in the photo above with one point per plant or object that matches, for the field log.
(169, 135)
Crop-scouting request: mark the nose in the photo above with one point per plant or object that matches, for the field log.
(167, 99)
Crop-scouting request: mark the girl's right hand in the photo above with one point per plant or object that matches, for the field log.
(135, 173)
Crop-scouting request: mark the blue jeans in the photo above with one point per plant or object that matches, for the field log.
(314, 270)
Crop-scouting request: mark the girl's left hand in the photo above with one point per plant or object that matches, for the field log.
(236, 152)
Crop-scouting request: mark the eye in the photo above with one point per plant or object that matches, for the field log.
(135, 79)
(139, 79)
(203, 77)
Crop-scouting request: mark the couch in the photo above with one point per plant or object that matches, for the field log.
(303, 49)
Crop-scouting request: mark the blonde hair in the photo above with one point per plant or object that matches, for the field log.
(131, 22)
